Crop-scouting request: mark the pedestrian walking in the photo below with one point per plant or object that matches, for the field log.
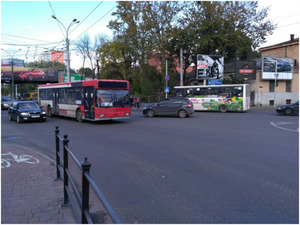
(138, 102)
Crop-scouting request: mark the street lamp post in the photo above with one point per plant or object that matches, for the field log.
(12, 72)
(67, 45)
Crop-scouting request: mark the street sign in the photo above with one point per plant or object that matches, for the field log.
(214, 82)
(167, 89)
(167, 77)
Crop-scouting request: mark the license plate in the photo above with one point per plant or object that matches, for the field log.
(35, 116)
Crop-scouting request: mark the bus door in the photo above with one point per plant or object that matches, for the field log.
(88, 102)
(55, 101)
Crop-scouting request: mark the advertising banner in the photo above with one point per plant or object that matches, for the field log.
(284, 68)
(210, 67)
(17, 62)
(29, 75)
(245, 70)
(62, 77)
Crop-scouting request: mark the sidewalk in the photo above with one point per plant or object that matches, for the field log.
(29, 192)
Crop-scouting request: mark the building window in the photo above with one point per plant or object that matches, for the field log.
(271, 102)
(288, 86)
(271, 85)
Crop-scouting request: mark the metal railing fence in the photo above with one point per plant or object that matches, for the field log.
(63, 173)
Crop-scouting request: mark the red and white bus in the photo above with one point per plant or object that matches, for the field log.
(87, 100)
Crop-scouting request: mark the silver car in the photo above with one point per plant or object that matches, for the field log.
(6, 102)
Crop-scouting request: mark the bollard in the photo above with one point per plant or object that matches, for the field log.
(85, 195)
(58, 176)
(66, 165)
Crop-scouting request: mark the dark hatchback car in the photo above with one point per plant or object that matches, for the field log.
(26, 111)
(177, 106)
(290, 109)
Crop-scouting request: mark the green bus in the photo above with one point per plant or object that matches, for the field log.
(231, 97)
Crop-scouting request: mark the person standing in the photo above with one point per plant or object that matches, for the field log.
(138, 102)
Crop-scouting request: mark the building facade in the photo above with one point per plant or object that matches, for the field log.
(53, 56)
(264, 91)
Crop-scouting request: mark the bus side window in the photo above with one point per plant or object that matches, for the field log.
(189, 93)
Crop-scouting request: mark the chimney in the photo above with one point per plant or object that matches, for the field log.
(292, 37)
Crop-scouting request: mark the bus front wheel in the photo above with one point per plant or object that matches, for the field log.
(79, 115)
(223, 108)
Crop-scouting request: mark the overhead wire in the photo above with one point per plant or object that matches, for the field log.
(86, 17)
(56, 20)
(96, 22)
(48, 45)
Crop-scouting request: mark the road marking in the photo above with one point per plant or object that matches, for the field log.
(280, 124)
(9, 156)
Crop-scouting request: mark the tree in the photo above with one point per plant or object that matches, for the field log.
(232, 28)
(144, 29)
(44, 64)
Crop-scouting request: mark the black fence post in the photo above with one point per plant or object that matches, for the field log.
(85, 195)
(66, 165)
(58, 177)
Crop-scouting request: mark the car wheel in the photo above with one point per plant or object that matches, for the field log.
(79, 115)
(288, 112)
(182, 113)
(19, 120)
(30, 77)
(223, 108)
(9, 117)
(150, 113)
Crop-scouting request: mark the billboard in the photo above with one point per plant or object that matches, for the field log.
(29, 75)
(284, 68)
(210, 67)
(17, 62)
(62, 77)
(245, 70)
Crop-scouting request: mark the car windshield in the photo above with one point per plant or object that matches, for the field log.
(6, 98)
(27, 105)
(112, 98)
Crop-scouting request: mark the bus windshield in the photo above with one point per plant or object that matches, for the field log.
(112, 98)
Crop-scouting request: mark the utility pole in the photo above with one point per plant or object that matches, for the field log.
(275, 85)
(13, 94)
(181, 69)
(67, 45)
(166, 78)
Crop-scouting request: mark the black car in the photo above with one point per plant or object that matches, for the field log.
(26, 111)
(290, 109)
(177, 106)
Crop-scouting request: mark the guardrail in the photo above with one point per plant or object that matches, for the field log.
(63, 173)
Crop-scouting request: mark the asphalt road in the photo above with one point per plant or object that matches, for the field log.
(208, 168)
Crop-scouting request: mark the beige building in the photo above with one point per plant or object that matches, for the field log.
(264, 92)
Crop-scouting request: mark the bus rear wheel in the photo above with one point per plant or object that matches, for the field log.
(79, 115)
(223, 108)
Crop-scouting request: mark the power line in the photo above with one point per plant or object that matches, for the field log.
(96, 21)
(56, 20)
(87, 16)
(9, 35)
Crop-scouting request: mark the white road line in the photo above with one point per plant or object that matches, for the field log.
(278, 125)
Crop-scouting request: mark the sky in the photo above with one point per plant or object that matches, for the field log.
(26, 23)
